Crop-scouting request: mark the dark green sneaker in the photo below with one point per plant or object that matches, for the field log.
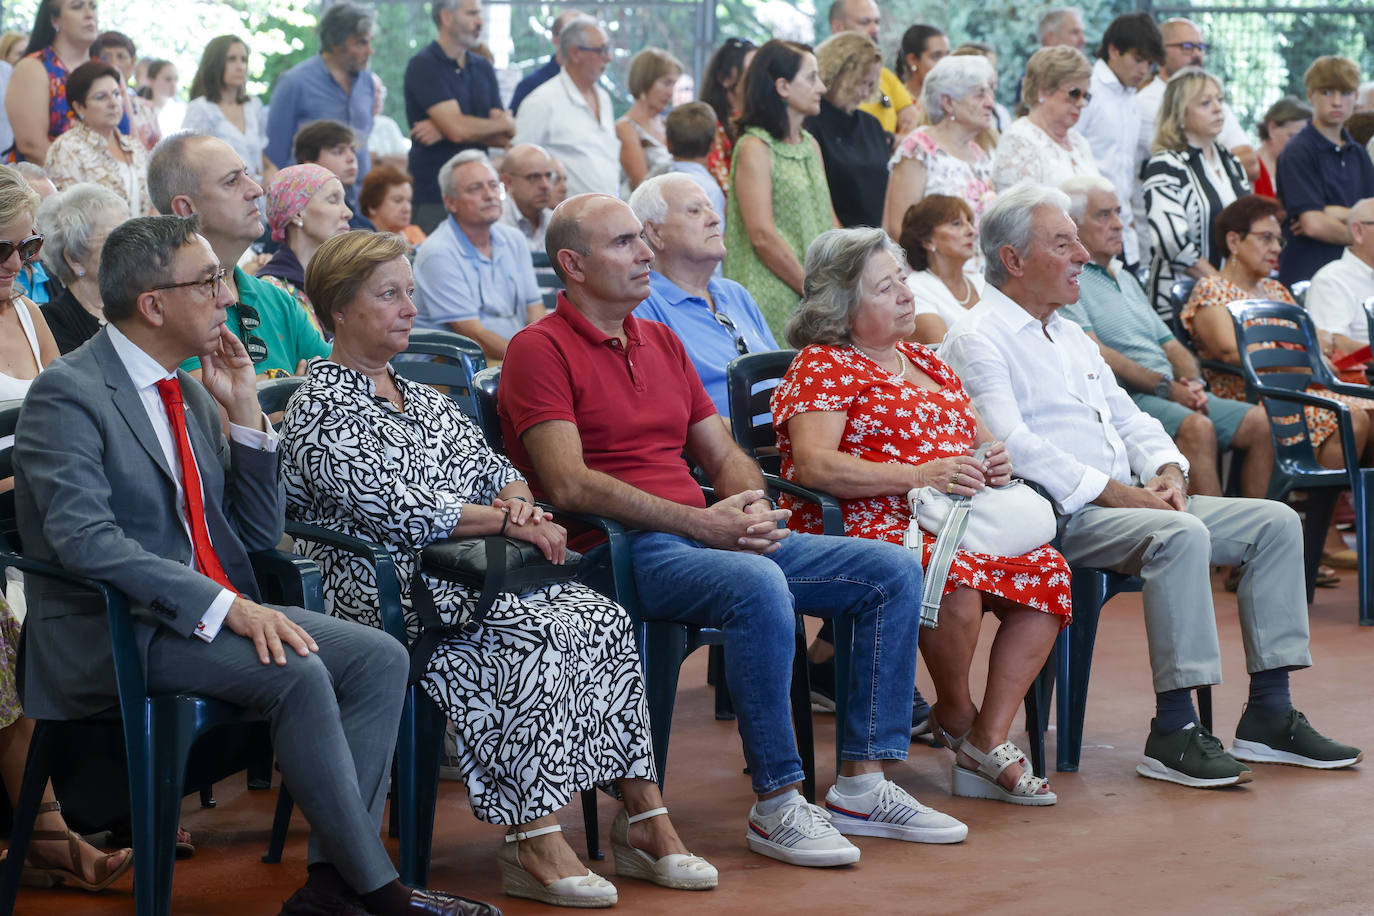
(1263, 736)
(1191, 756)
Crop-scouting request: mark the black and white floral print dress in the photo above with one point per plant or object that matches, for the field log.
(547, 698)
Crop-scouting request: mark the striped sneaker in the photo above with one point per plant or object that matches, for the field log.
(890, 811)
(799, 834)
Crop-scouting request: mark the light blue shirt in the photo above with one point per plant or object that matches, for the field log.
(308, 92)
(710, 344)
(456, 282)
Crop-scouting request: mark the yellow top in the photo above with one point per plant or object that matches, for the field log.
(892, 98)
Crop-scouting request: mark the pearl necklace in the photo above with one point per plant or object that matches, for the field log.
(968, 291)
(901, 366)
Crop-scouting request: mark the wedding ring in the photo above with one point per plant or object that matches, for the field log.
(950, 489)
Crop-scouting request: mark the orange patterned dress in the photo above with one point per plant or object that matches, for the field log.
(893, 421)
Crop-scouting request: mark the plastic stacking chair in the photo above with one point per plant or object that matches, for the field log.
(1299, 291)
(159, 730)
(663, 645)
(1178, 298)
(1280, 356)
(273, 393)
(445, 361)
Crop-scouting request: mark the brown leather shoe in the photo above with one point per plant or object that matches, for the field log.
(438, 903)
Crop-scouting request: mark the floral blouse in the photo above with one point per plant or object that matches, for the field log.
(81, 154)
(1025, 153)
(946, 174)
(354, 463)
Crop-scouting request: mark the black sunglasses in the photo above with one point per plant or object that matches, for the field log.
(250, 321)
(741, 345)
(1075, 94)
(28, 248)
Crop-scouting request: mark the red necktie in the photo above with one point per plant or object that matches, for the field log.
(205, 560)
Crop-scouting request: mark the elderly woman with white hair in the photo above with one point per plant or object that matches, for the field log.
(1042, 147)
(867, 416)
(74, 224)
(944, 157)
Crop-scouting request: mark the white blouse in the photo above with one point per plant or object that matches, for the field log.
(204, 117)
(1027, 154)
(934, 298)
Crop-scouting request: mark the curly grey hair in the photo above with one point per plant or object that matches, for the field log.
(953, 77)
(835, 264)
(66, 219)
(1009, 222)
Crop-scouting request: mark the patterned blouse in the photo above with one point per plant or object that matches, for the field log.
(81, 154)
(354, 463)
(947, 174)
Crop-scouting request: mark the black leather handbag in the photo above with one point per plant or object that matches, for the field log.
(492, 564)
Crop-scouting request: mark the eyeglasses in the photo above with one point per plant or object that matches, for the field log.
(1269, 238)
(599, 50)
(1188, 45)
(540, 176)
(741, 345)
(28, 248)
(1075, 94)
(250, 321)
(209, 286)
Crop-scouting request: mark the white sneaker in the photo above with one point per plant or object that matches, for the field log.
(799, 834)
(890, 811)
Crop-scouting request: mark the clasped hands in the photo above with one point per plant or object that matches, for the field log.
(745, 521)
(528, 522)
(965, 475)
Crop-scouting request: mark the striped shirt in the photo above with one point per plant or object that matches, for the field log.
(1117, 311)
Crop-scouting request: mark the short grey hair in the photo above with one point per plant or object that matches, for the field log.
(171, 173)
(1079, 187)
(1009, 222)
(1053, 19)
(446, 170)
(648, 201)
(575, 32)
(344, 19)
(138, 256)
(65, 221)
(437, 7)
(835, 263)
(954, 77)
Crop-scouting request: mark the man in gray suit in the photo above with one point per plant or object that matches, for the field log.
(103, 490)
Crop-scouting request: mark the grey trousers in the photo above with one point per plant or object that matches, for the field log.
(1171, 551)
(333, 718)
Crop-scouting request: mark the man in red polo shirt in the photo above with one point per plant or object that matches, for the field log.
(597, 408)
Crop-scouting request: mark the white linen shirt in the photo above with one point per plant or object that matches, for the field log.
(1111, 124)
(145, 372)
(1336, 297)
(557, 117)
(1046, 392)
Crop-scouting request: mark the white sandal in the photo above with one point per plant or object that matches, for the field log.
(589, 890)
(676, 870)
(982, 783)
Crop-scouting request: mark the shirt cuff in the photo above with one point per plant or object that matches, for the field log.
(255, 438)
(1161, 460)
(1089, 488)
(213, 619)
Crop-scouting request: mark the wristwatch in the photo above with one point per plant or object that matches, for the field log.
(1163, 387)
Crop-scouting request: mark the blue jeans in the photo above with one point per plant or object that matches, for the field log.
(754, 600)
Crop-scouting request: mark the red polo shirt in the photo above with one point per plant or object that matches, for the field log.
(632, 405)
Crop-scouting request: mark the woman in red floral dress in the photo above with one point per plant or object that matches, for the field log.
(866, 416)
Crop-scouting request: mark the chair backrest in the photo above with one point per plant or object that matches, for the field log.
(273, 393)
(1178, 298)
(749, 381)
(484, 386)
(9, 529)
(469, 346)
(1369, 315)
(1299, 291)
(447, 366)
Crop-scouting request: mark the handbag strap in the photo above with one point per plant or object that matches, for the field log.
(946, 545)
(433, 630)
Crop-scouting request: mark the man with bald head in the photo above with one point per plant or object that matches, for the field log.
(1335, 300)
(598, 408)
(528, 174)
(892, 104)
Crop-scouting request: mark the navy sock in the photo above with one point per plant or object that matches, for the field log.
(1173, 710)
(1269, 690)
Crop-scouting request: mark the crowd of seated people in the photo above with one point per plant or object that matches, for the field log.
(973, 298)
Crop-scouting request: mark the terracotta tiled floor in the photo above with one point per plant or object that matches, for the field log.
(1292, 841)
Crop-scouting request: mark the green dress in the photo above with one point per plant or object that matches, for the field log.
(801, 211)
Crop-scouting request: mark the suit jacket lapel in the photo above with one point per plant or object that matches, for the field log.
(127, 400)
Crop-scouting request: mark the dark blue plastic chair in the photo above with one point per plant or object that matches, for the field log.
(159, 730)
(445, 361)
(1280, 361)
(1178, 298)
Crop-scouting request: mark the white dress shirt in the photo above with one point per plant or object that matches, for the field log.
(146, 372)
(1337, 294)
(558, 118)
(1046, 392)
(1111, 124)
(534, 235)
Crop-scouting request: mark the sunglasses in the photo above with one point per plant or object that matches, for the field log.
(741, 345)
(28, 248)
(1075, 94)
(250, 321)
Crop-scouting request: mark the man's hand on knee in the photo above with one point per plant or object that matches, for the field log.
(1117, 495)
(732, 524)
(268, 629)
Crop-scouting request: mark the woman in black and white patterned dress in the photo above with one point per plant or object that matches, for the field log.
(547, 697)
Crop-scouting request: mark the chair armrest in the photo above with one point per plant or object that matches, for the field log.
(388, 584)
(1228, 369)
(288, 579)
(832, 517)
(1342, 412)
(618, 542)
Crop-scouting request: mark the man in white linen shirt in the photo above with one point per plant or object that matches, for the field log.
(1336, 297)
(1111, 122)
(1119, 482)
(570, 116)
(1183, 47)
